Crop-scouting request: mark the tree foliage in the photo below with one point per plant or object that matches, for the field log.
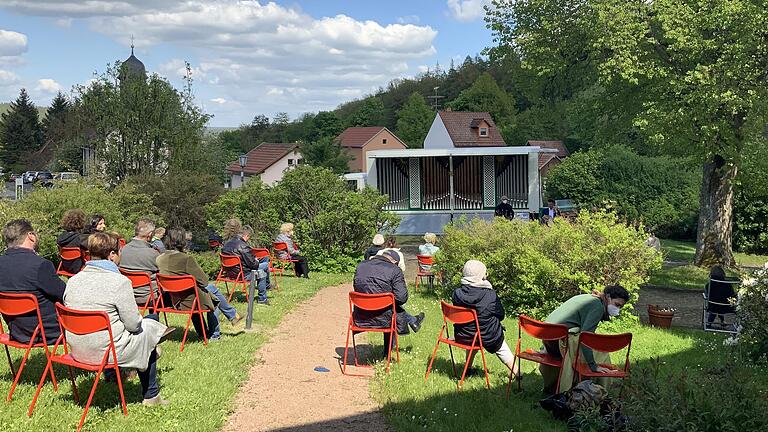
(20, 132)
(325, 153)
(414, 120)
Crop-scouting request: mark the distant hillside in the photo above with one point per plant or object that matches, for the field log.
(5, 106)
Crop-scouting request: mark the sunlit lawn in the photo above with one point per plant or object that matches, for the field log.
(676, 250)
(413, 405)
(200, 382)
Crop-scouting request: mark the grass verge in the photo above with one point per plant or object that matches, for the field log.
(677, 250)
(411, 404)
(200, 383)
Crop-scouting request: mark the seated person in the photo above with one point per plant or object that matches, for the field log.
(237, 245)
(286, 236)
(504, 209)
(477, 293)
(96, 224)
(376, 245)
(101, 287)
(391, 245)
(720, 291)
(138, 255)
(175, 262)
(24, 271)
(380, 274)
(73, 223)
(581, 313)
(428, 249)
(157, 239)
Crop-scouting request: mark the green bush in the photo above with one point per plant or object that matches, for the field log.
(752, 312)
(121, 206)
(750, 220)
(659, 192)
(209, 262)
(536, 267)
(333, 224)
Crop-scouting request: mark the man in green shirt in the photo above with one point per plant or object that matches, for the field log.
(582, 313)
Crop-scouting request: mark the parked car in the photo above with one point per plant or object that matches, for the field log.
(42, 176)
(62, 177)
(29, 176)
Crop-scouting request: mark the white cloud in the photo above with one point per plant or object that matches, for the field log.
(64, 22)
(8, 78)
(220, 101)
(408, 19)
(467, 10)
(48, 85)
(87, 8)
(12, 43)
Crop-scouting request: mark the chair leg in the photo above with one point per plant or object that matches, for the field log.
(18, 373)
(53, 376)
(186, 330)
(90, 397)
(432, 359)
(354, 350)
(485, 369)
(205, 325)
(346, 349)
(389, 350)
(74, 386)
(397, 345)
(120, 388)
(231, 294)
(453, 362)
(416, 282)
(466, 366)
(519, 362)
(10, 362)
(39, 388)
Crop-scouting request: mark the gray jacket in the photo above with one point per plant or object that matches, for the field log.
(96, 289)
(140, 256)
(284, 238)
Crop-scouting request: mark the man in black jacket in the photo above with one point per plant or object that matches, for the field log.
(23, 271)
(238, 246)
(504, 209)
(381, 274)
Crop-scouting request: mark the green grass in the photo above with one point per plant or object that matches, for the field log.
(410, 404)
(200, 383)
(682, 277)
(676, 250)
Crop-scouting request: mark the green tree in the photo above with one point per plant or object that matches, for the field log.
(414, 120)
(326, 124)
(325, 153)
(20, 131)
(485, 95)
(57, 130)
(370, 113)
(698, 68)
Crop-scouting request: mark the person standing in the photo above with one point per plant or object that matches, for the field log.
(504, 209)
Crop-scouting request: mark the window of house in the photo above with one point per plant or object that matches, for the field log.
(290, 162)
(383, 140)
(483, 132)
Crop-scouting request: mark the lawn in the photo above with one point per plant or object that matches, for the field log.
(200, 383)
(410, 404)
(676, 250)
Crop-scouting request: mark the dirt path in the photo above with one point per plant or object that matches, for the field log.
(284, 393)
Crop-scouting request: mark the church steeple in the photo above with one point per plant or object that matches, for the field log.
(132, 67)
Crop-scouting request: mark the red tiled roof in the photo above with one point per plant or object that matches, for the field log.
(262, 157)
(462, 128)
(357, 137)
(545, 158)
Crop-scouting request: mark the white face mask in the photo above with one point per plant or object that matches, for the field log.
(613, 310)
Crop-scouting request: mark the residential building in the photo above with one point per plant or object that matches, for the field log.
(457, 129)
(360, 140)
(547, 161)
(268, 161)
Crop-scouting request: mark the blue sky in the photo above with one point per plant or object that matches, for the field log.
(248, 57)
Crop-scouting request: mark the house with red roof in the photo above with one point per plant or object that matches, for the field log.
(457, 129)
(267, 161)
(547, 161)
(360, 140)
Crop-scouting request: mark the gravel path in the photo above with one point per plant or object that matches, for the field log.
(284, 393)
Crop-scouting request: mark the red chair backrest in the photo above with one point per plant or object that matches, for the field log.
(425, 259)
(70, 253)
(138, 279)
(13, 304)
(280, 246)
(176, 284)
(371, 302)
(214, 244)
(122, 242)
(458, 314)
(605, 343)
(260, 253)
(541, 330)
(229, 261)
(82, 322)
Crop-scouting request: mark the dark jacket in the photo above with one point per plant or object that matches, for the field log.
(238, 247)
(372, 251)
(504, 210)
(720, 292)
(376, 276)
(72, 239)
(23, 271)
(490, 312)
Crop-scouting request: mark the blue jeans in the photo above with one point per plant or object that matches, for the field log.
(263, 282)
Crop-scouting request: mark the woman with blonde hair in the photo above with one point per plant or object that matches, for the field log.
(428, 249)
(301, 267)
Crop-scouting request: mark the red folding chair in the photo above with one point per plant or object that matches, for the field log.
(281, 250)
(260, 253)
(122, 242)
(82, 323)
(15, 305)
(214, 244)
(141, 280)
(607, 344)
(69, 254)
(542, 331)
(459, 315)
(425, 260)
(230, 264)
(181, 285)
(371, 302)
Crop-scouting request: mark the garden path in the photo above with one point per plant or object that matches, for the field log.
(284, 393)
(687, 302)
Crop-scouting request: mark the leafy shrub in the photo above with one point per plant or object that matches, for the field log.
(721, 399)
(333, 224)
(750, 220)
(535, 267)
(752, 312)
(121, 206)
(660, 192)
(209, 262)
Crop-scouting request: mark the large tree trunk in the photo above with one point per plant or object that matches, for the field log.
(714, 237)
